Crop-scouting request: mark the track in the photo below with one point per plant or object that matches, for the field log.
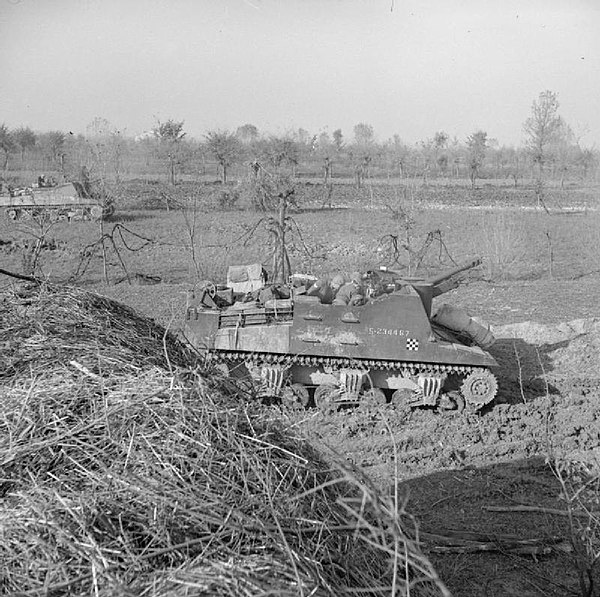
(286, 360)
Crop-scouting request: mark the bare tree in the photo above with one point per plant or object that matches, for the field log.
(25, 139)
(7, 144)
(476, 145)
(226, 149)
(427, 154)
(191, 214)
(117, 147)
(278, 226)
(542, 128)
(99, 127)
(562, 152)
(108, 146)
(247, 133)
(281, 151)
(398, 154)
(364, 134)
(586, 159)
(170, 134)
(54, 146)
(440, 140)
(338, 139)
(440, 143)
(364, 141)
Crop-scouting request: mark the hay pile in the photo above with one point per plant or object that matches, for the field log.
(123, 473)
(45, 328)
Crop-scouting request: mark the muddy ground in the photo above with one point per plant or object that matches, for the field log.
(453, 467)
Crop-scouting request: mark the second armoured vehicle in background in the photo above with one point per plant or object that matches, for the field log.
(389, 349)
(68, 201)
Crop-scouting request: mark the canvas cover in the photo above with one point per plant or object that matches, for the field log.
(245, 278)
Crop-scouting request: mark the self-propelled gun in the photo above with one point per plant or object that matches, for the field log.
(396, 347)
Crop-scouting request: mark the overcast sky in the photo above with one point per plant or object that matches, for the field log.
(407, 67)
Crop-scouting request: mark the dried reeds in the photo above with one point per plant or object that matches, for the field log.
(126, 474)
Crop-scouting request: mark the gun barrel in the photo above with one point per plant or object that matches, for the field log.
(461, 268)
(436, 279)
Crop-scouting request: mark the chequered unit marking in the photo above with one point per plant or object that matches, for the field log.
(412, 344)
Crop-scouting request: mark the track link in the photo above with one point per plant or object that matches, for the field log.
(286, 360)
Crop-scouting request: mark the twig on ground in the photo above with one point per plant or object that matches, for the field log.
(540, 509)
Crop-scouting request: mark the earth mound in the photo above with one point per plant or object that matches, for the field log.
(571, 349)
(547, 406)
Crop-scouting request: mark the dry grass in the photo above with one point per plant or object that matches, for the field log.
(123, 471)
(503, 241)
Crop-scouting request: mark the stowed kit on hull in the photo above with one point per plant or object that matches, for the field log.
(389, 348)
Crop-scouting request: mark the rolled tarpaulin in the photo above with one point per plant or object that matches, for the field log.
(458, 320)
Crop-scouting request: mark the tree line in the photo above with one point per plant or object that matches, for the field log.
(551, 151)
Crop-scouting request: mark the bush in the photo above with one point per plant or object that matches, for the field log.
(226, 198)
(504, 246)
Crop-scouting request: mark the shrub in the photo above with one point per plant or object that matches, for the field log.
(503, 242)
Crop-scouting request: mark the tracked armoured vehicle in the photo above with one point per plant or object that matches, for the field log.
(68, 202)
(389, 349)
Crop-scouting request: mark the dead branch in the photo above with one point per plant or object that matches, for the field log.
(471, 542)
(19, 276)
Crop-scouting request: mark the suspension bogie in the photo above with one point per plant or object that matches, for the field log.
(327, 387)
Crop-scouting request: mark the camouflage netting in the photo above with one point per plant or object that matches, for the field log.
(123, 470)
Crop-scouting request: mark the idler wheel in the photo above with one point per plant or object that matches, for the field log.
(326, 396)
(12, 214)
(479, 389)
(295, 397)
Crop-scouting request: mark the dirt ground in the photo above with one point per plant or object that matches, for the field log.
(455, 466)
(452, 467)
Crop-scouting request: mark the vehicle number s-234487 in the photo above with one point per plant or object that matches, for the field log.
(387, 332)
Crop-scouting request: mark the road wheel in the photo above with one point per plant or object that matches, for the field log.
(451, 403)
(459, 401)
(295, 397)
(326, 396)
(11, 214)
(373, 398)
(401, 400)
